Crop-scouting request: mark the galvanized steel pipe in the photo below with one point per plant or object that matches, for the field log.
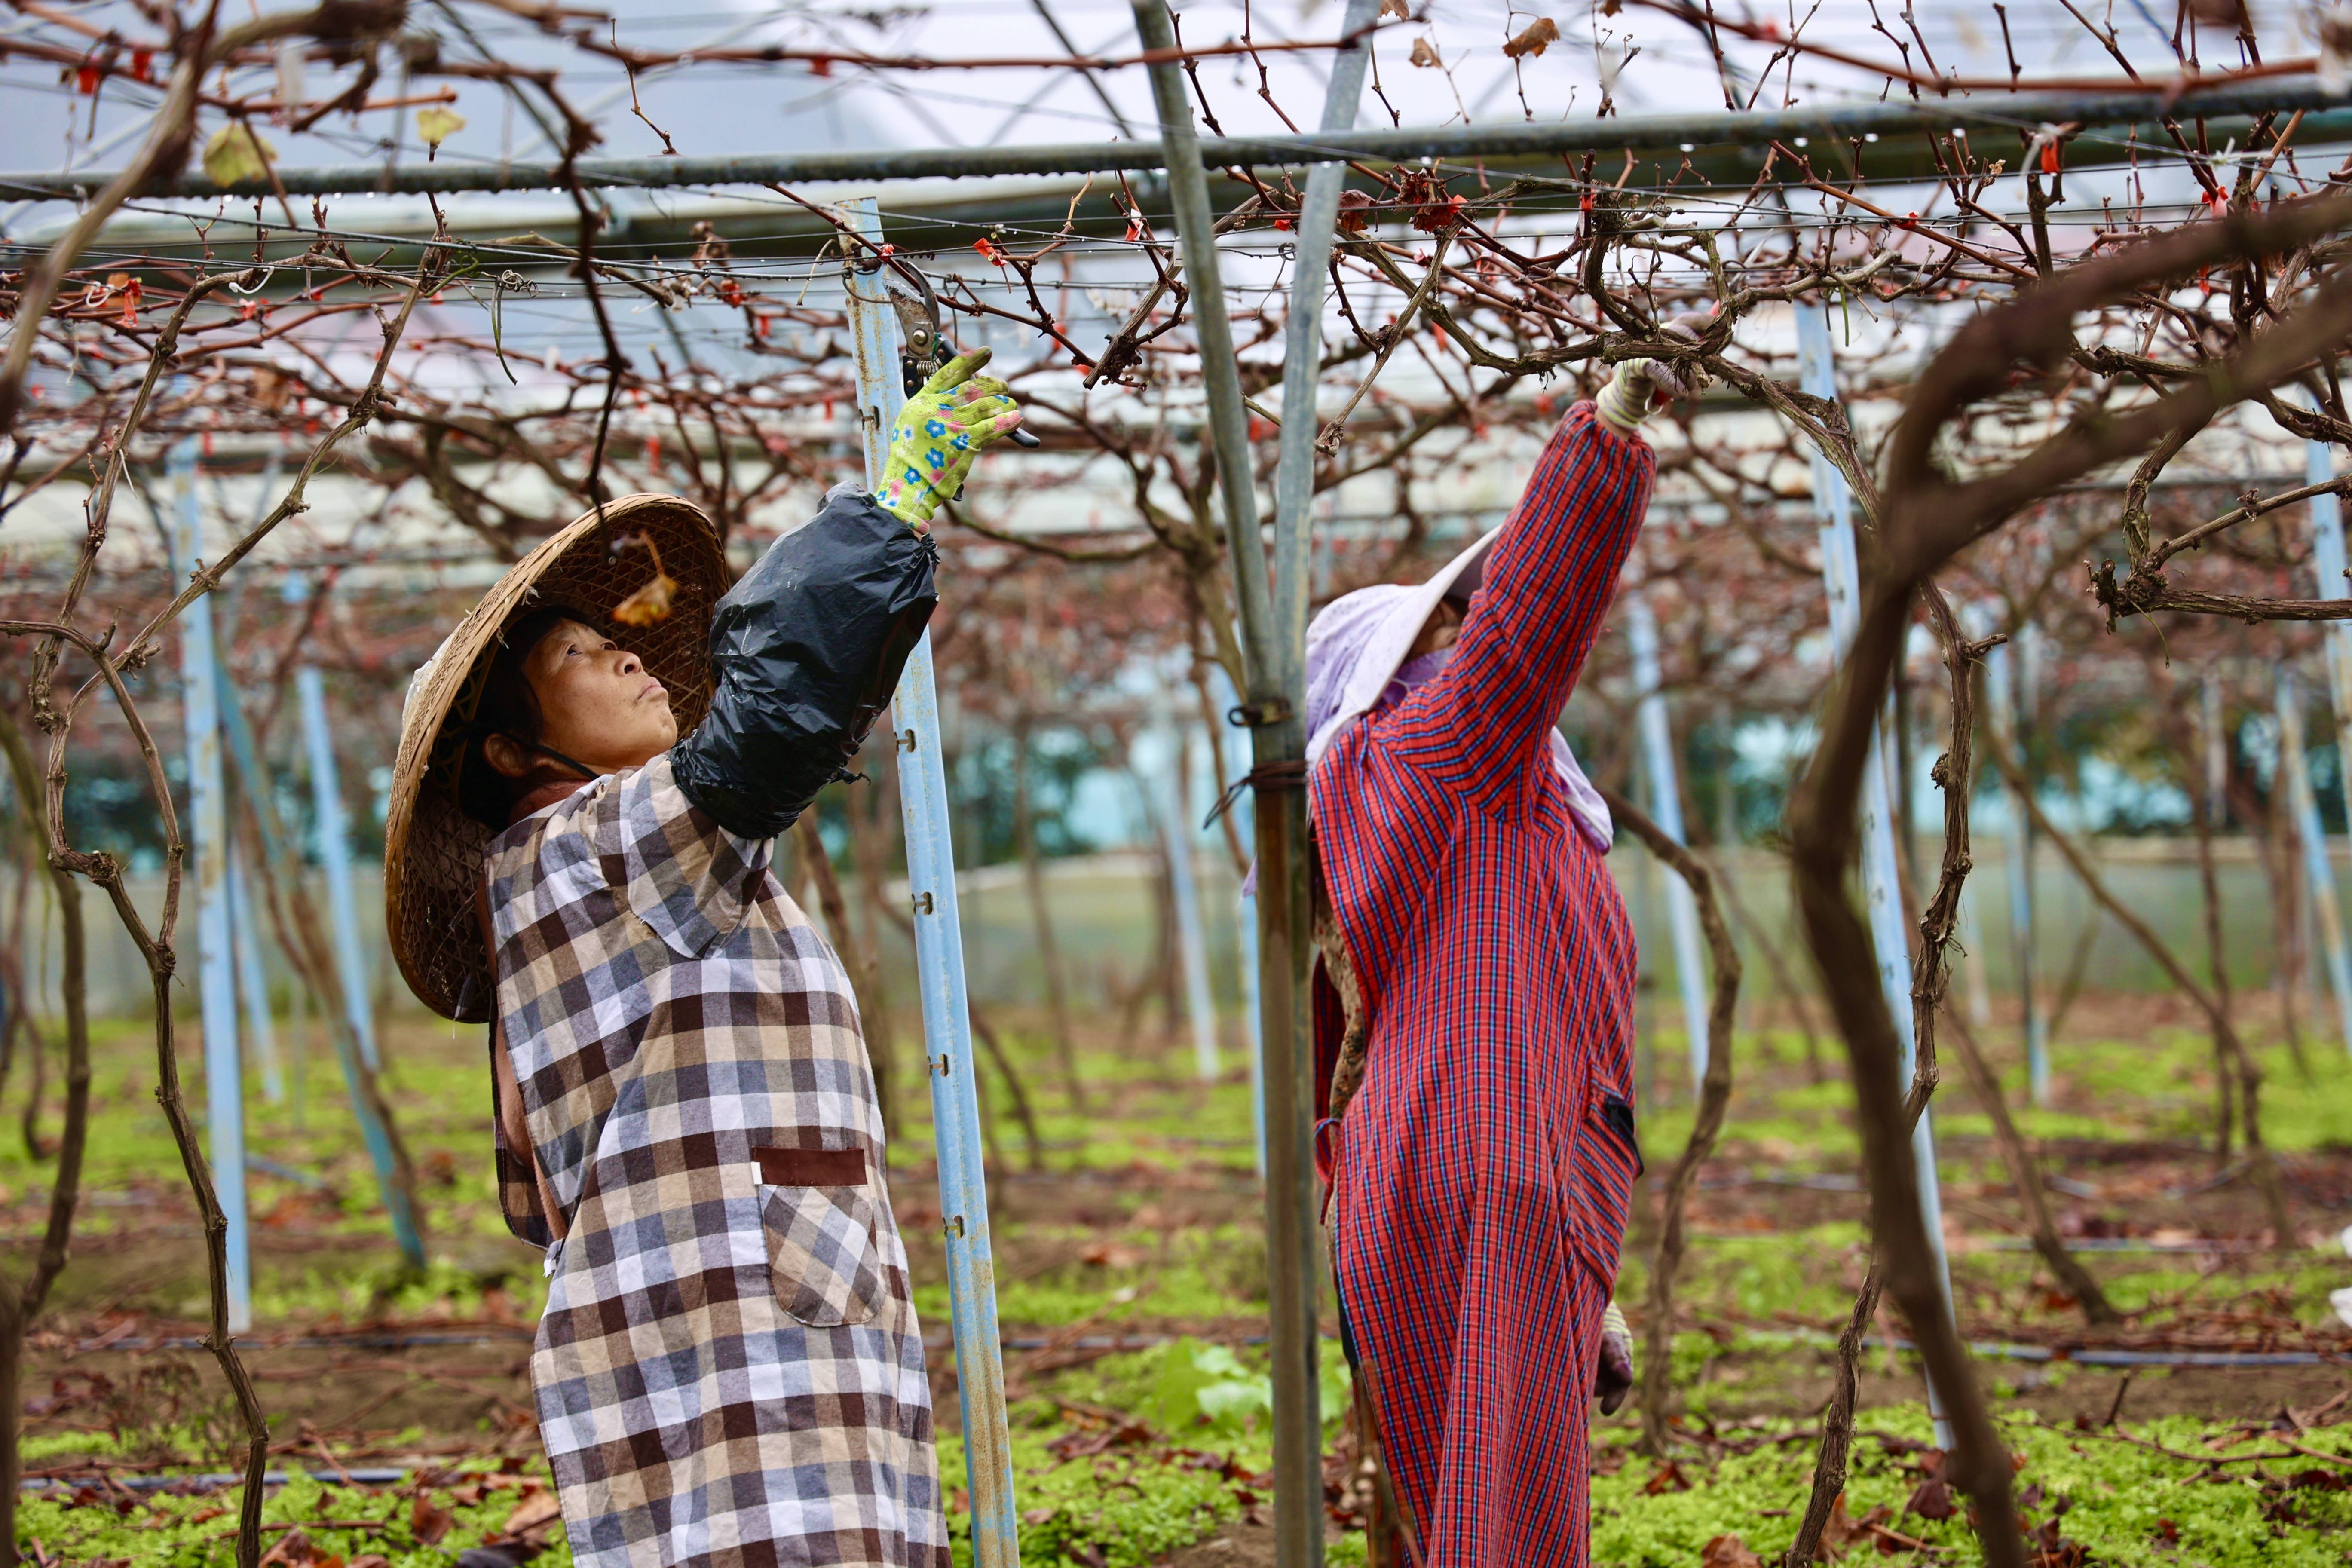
(1274, 659)
(939, 965)
(2327, 117)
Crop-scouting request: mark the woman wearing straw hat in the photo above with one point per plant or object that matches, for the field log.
(729, 1371)
(1474, 1009)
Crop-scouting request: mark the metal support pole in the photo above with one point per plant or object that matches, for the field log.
(334, 847)
(2327, 560)
(253, 980)
(279, 853)
(2318, 871)
(1245, 918)
(1972, 942)
(1842, 576)
(209, 851)
(2145, 105)
(1666, 810)
(1245, 923)
(1272, 639)
(2001, 686)
(938, 964)
(1302, 347)
(1192, 942)
(2213, 730)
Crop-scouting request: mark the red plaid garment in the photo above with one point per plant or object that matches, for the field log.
(1480, 1190)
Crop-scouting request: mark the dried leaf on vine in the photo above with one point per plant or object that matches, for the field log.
(436, 125)
(236, 153)
(1397, 8)
(1538, 35)
(647, 604)
(1425, 53)
(651, 602)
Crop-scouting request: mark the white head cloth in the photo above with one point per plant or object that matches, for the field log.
(1359, 641)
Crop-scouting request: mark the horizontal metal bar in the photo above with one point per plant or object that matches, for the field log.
(2327, 114)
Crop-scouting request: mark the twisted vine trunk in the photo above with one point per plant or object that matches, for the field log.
(19, 1307)
(1931, 976)
(1714, 1100)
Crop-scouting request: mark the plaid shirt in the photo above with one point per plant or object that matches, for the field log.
(1480, 1188)
(730, 1372)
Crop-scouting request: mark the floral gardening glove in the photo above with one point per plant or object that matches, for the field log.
(938, 435)
(1642, 386)
(1612, 1379)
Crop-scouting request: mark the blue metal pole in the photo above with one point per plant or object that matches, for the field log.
(938, 962)
(209, 852)
(2327, 560)
(253, 980)
(1842, 576)
(1191, 943)
(1231, 760)
(2295, 764)
(347, 1039)
(335, 847)
(2001, 687)
(1666, 810)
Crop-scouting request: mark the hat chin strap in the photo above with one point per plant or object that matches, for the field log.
(551, 755)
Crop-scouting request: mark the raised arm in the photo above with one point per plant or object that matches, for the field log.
(806, 649)
(1546, 586)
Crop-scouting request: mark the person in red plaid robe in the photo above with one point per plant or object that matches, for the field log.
(1474, 1009)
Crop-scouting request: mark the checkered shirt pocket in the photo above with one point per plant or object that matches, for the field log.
(822, 1258)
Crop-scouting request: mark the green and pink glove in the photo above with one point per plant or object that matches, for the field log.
(938, 435)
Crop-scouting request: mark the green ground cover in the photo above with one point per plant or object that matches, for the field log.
(1144, 1223)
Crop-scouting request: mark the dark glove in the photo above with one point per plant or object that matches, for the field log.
(1612, 1377)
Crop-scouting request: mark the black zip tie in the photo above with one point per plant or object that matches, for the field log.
(1257, 715)
(1290, 774)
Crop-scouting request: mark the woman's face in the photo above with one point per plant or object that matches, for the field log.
(597, 705)
(1439, 632)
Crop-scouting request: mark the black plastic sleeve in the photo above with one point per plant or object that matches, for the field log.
(806, 649)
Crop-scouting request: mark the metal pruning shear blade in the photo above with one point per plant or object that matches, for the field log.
(922, 344)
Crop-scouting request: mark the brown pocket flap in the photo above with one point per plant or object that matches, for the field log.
(812, 1167)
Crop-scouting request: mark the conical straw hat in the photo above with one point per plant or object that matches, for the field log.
(432, 850)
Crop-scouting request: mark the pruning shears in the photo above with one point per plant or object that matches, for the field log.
(923, 346)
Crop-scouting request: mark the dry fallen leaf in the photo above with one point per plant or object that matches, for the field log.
(1111, 1255)
(427, 1523)
(1931, 1499)
(1424, 54)
(1668, 1479)
(236, 153)
(539, 1509)
(1538, 35)
(1728, 1552)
